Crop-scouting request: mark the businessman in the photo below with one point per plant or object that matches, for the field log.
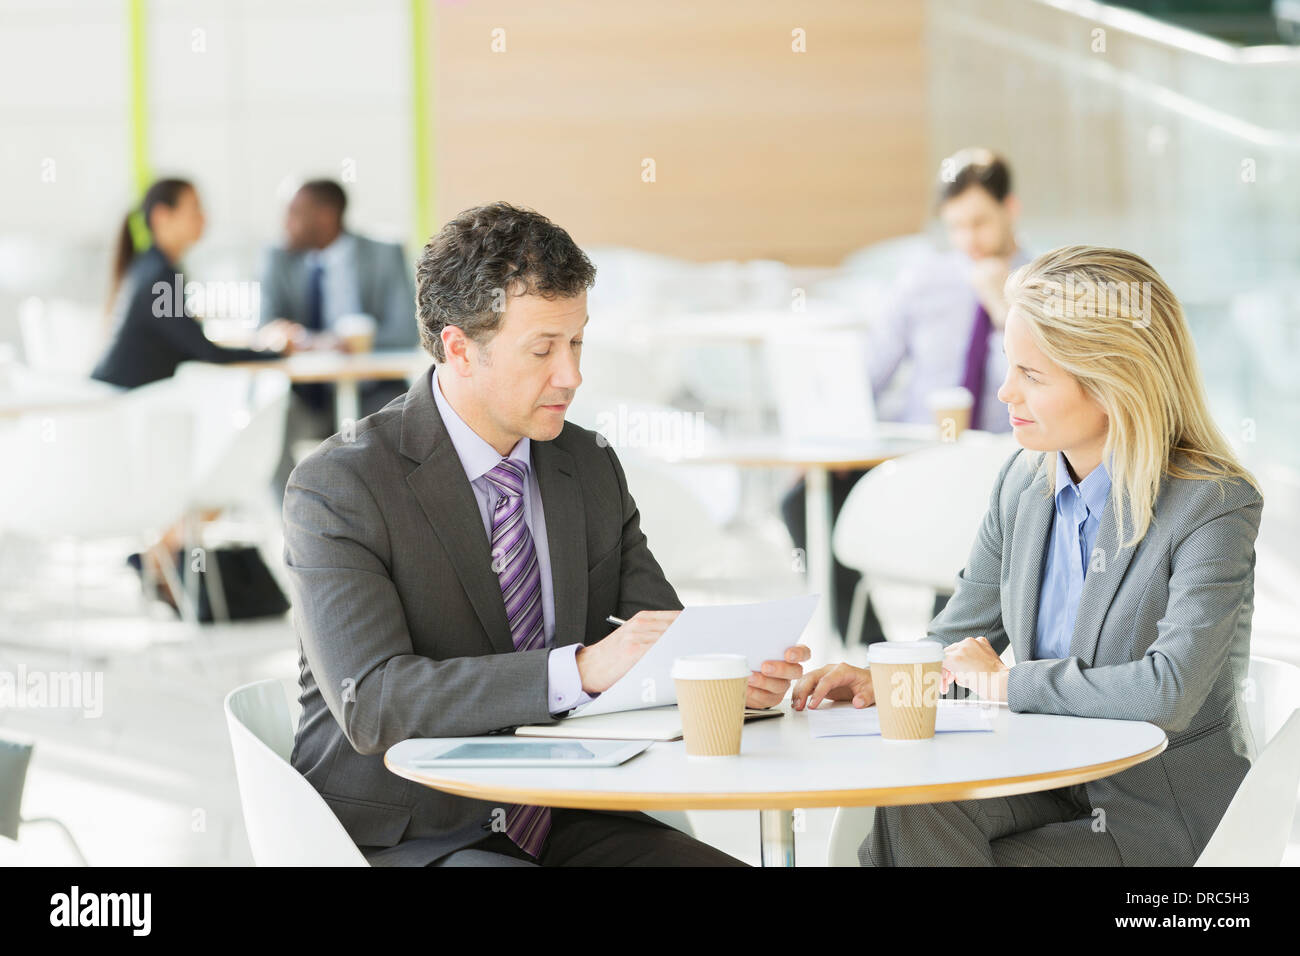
(452, 566)
(322, 272)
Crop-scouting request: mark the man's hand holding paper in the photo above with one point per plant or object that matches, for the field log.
(632, 672)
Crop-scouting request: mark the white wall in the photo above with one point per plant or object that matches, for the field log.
(244, 98)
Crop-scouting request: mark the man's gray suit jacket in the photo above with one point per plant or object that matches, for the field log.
(401, 627)
(383, 286)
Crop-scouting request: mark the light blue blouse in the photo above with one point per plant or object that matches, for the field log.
(1074, 530)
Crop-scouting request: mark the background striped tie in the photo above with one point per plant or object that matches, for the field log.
(515, 562)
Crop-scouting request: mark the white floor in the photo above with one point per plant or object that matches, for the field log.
(151, 782)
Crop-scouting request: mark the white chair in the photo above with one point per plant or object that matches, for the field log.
(288, 822)
(1255, 828)
(15, 756)
(60, 336)
(912, 520)
(239, 417)
(820, 383)
(120, 469)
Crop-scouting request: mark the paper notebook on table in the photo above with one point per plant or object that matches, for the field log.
(761, 632)
(953, 716)
(655, 723)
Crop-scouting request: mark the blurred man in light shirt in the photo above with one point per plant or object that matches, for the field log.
(943, 323)
(941, 328)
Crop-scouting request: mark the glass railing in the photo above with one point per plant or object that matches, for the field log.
(1127, 131)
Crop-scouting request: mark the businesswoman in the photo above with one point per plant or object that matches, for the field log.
(152, 331)
(1117, 559)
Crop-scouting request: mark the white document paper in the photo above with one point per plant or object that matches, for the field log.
(845, 720)
(761, 632)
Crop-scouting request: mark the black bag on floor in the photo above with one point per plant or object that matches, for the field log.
(246, 581)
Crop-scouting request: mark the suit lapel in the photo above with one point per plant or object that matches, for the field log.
(448, 501)
(296, 282)
(566, 537)
(366, 276)
(1106, 567)
(1028, 552)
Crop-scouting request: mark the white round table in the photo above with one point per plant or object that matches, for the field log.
(782, 767)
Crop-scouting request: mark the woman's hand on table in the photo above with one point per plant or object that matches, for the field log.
(834, 682)
(974, 664)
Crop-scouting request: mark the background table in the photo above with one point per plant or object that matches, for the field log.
(782, 768)
(24, 392)
(818, 459)
(345, 371)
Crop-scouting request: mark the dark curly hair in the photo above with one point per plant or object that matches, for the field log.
(466, 271)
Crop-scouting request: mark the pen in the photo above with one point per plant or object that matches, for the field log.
(616, 621)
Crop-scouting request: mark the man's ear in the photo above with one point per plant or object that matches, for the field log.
(455, 345)
(1012, 206)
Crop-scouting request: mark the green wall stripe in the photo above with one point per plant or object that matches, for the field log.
(141, 173)
(422, 123)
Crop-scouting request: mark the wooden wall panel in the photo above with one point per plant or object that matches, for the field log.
(759, 151)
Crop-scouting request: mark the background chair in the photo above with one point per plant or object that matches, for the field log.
(61, 336)
(119, 469)
(912, 520)
(287, 821)
(1257, 824)
(239, 422)
(15, 755)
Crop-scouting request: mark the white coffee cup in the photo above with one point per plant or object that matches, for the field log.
(357, 331)
(711, 700)
(951, 408)
(907, 678)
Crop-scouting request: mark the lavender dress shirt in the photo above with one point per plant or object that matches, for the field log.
(926, 327)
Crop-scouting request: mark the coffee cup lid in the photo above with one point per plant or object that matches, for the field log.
(904, 652)
(355, 322)
(710, 667)
(958, 396)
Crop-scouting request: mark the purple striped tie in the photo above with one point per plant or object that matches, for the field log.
(977, 357)
(515, 562)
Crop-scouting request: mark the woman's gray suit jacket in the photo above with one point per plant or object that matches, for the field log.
(1162, 635)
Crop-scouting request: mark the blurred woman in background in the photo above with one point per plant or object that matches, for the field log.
(153, 331)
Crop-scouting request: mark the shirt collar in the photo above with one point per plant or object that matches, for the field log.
(335, 253)
(477, 457)
(1093, 490)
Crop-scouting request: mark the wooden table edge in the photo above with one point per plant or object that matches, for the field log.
(782, 800)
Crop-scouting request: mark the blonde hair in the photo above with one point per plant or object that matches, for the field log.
(1106, 318)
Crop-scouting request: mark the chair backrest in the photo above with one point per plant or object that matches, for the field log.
(821, 384)
(1256, 827)
(120, 467)
(287, 821)
(1273, 693)
(1257, 824)
(240, 417)
(61, 336)
(914, 519)
(15, 756)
